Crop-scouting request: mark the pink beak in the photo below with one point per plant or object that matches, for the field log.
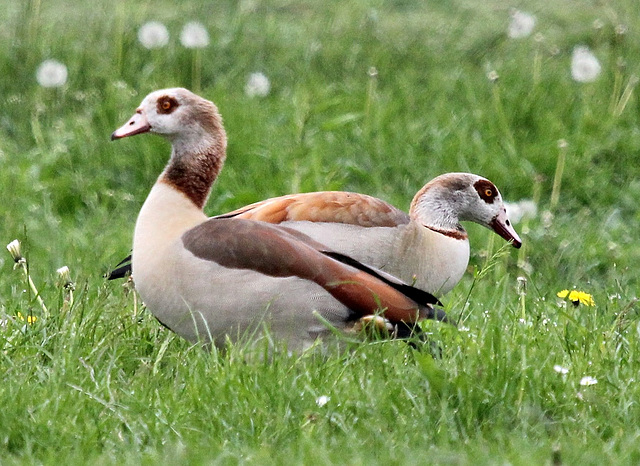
(136, 125)
(502, 226)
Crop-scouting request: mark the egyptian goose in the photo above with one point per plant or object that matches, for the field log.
(209, 279)
(428, 248)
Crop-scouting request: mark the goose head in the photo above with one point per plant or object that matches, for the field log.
(453, 197)
(194, 128)
(179, 115)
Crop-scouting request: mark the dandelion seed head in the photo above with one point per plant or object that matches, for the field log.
(517, 211)
(153, 35)
(621, 29)
(588, 380)
(493, 76)
(560, 370)
(585, 67)
(194, 36)
(521, 24)
(522, 285)
(51, 73)
(14, 249)
(258, 85)
(64, 276)
(322, 400)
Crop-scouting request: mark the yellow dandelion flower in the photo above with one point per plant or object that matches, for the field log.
(577, 297)
(30, 318)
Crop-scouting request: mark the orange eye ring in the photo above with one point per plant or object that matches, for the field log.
(166, 105)
(488, 192)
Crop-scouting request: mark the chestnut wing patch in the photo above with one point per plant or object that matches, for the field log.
(327, 206)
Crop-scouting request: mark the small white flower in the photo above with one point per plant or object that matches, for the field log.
(588, 380)
(322, 400)
(585, 67)
(194, 36)
(258, 85)
(51, 73)
(560, 370)
(516, 211)
(153, 35)
(521, 24)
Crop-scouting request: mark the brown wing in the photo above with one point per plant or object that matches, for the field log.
(325, 206)
(270, 250)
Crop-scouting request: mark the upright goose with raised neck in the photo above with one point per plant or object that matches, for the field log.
(209, 279)
(428, 247)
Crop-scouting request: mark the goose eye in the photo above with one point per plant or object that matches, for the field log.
(167, 104)
(486, 190)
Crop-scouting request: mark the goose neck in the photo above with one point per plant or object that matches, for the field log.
(193, 169)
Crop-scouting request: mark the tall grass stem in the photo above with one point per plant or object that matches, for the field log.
(557, 177)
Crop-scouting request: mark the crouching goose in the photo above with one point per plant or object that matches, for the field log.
(428, 247)
(208, 279)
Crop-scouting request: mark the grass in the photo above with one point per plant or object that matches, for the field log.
(100, 381)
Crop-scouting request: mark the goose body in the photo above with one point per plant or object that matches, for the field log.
(209, 279)
(427, 247)
(426, 259)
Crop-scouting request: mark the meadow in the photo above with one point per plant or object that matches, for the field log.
(371, 96)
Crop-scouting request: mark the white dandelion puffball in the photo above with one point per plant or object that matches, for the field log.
(516, 211)
(585, 67)
(258, 85)
(194, 36)
(153, 35)
(51, 73)
(521, 24)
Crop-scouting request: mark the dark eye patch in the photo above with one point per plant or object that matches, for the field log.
(166, 105)
(486, 190)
